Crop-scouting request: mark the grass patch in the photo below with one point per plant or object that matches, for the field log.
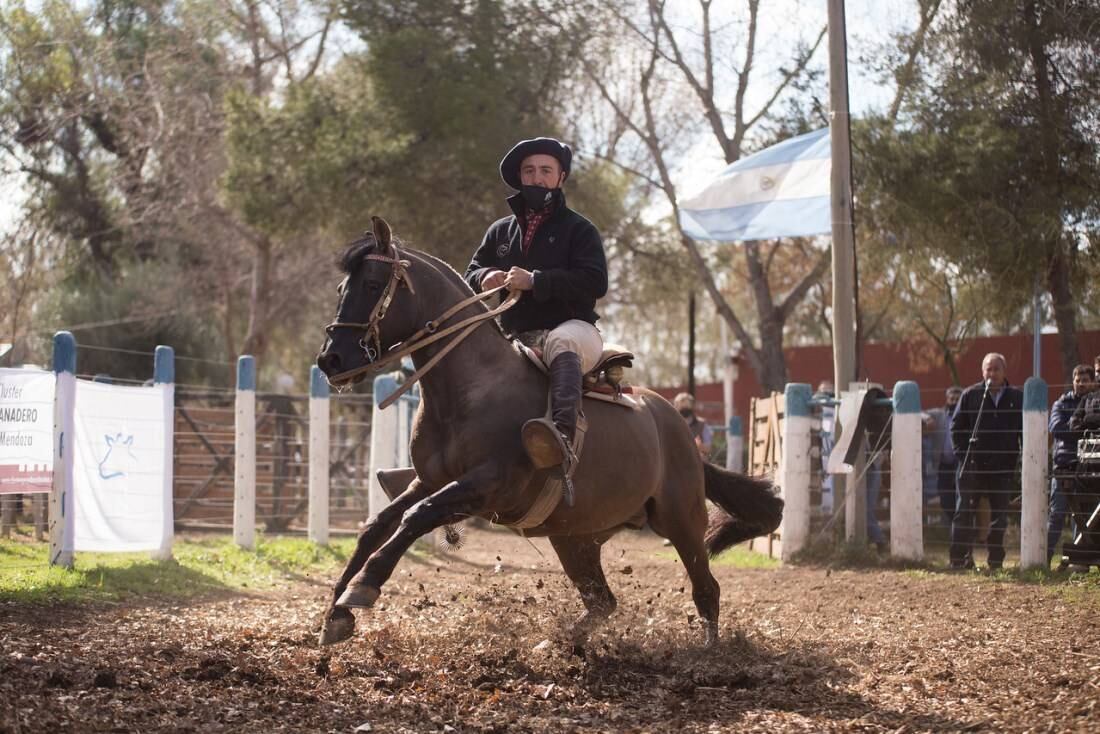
(200, 565)
(737, 557)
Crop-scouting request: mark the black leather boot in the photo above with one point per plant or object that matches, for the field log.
(548, 443)
(565, 393)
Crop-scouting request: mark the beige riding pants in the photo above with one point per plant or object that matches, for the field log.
(579, 337)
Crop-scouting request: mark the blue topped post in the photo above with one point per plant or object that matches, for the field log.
(246, 372)
(906, 398)
(735, 445)
(318, 456)
(906, 477)
(794, 467)
(244, 479)
(1035, 509)
(164, 378)
(164, 365)
(318, 383)
(64, 352)
(61, 519)
(797, 397)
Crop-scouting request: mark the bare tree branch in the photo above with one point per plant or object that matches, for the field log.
(905, 77)
(800, 68)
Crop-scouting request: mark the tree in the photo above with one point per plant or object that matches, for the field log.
(116, 116)
(664, 80)
(999, 146)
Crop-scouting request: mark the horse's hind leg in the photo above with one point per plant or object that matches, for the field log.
(339, 622)
(580, 557)
(685, 527)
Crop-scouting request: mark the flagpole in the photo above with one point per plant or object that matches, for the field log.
(844, 316)
(844, 312)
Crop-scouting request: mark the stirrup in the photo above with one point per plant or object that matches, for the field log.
(544, 443)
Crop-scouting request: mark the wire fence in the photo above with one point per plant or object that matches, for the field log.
(205, 454)
(971, 480)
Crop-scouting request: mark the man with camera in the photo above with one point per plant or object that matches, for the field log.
(1065, 451)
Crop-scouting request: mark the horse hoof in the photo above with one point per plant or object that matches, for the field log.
(337, 629)
(361, 597)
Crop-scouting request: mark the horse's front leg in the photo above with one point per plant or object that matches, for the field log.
(339, 622)
(454, 502)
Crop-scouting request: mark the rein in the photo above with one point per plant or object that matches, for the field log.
(428, 334)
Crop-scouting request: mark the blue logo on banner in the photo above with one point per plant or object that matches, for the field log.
(115, 462)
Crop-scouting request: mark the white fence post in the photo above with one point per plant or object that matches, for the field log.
(61, 495)
(735, 445)
(390, 433)
(318, 456)
(244, 480)
(794, 470)
(906, 490)
(164, 375)
(1035, 509)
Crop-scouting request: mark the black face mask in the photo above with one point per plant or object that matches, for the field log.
(686, 412)
(538, 197)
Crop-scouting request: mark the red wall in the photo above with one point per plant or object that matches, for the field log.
(887, 363)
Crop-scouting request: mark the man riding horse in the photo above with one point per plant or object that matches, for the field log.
(555, 257)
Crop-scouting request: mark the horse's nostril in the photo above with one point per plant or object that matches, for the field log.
(329, 362)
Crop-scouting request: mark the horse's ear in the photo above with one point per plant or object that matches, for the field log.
(382, 235)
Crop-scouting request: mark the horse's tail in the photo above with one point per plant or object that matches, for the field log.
(747, 508)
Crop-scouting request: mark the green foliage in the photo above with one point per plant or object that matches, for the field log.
(736, 557)
(199, 566)
(309, 161)
(993, 169)
(453, 83)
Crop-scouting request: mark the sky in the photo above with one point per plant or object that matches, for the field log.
(783, 23)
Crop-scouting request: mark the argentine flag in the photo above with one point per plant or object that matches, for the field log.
(782, 191)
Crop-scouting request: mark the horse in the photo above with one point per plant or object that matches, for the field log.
(639, 465)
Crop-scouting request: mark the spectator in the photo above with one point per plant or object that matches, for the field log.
(828, 424)
(1065, 451)
(1087, 415)
(943, 456)
(985, 432)
(685, 403)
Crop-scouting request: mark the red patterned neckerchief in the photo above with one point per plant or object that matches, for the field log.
(532, 221)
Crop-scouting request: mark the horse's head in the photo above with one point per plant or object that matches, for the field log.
(376, 309)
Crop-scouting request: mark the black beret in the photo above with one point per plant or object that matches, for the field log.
(509, 166)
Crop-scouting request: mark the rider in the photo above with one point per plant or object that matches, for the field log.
(556, 258)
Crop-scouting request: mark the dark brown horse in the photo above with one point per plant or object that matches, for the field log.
(638, 465)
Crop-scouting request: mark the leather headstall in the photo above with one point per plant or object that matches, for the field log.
(372, 327)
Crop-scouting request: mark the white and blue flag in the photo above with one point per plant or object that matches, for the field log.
(782, 191)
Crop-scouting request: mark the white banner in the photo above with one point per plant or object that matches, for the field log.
(121, 467)
(26, 430)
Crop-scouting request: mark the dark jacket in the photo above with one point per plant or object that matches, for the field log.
(1065, 438)
(566, 258)
(997, 433)
(1086, 416)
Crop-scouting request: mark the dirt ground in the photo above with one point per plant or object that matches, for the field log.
(475, 641)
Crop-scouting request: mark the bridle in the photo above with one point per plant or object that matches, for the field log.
(428, 334)
(371, 328)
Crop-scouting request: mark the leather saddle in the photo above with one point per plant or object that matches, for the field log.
(605, 378)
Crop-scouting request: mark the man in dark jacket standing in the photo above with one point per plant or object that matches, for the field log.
(1065, 451)
(986, 431)
(556, 258)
